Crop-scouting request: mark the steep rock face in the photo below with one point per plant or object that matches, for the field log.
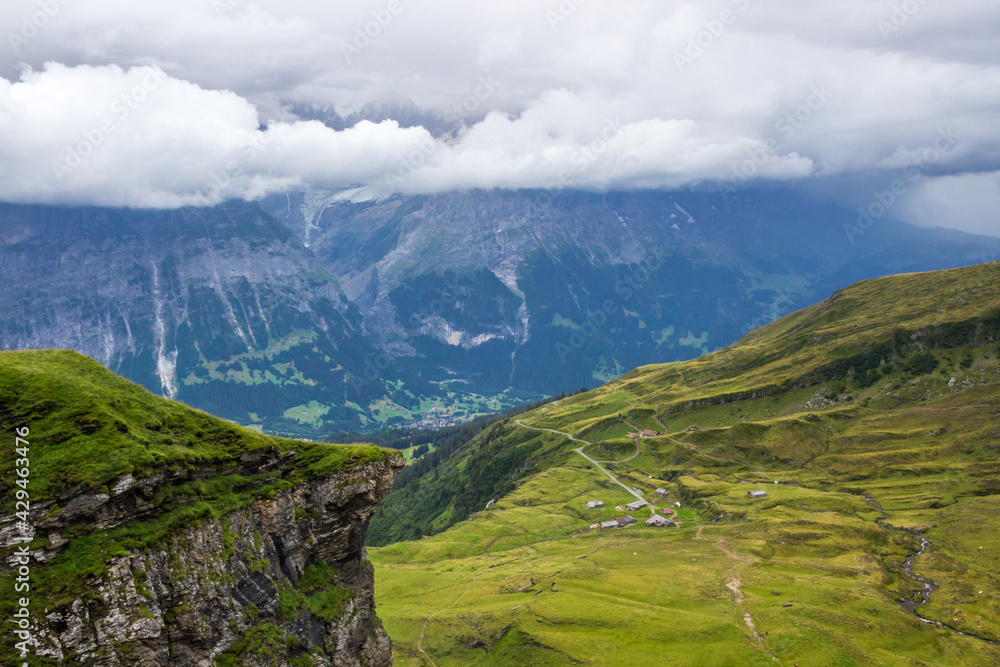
(550, 291)
(250, 588)
(221, 308)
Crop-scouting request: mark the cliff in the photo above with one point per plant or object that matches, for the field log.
(243, 589)
(231, 549)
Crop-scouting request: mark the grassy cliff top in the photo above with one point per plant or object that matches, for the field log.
(88, 427)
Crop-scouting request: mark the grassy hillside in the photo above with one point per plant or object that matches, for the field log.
(89, 429)
(872, 421)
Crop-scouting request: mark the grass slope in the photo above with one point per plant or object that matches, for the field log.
(89, 427)
(885, 395)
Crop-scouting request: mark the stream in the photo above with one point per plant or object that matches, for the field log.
(923, 596)
(929, 586)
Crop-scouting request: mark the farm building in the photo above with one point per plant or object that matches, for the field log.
(595, 504)
(648, 433)
(661, 492)
(657, 520)
(756, 494)
(620, 522)
(637, 505)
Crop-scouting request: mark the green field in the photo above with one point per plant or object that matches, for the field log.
(885, 395)
(534, 585)
(305, 404)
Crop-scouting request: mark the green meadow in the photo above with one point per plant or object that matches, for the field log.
(528, 582)
(871, 421)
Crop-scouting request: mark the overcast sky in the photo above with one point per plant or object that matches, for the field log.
(155, 103)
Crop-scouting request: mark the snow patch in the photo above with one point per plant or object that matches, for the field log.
(507, 274)
(440, 327)
(109, 345)
(680, 208)
(314, 202)
(359, 195)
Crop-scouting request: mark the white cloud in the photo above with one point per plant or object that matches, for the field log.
(137, 137)
(969, 202)
(594, 99)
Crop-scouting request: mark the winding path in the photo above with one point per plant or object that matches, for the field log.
(735, 581)
(629, 458)
(733, 573)
(579, 451)
(666, 429)
(733, 585)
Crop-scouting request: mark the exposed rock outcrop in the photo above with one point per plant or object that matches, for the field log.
(285, 581)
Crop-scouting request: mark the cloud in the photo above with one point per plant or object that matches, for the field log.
(567, 93)
(138, 137)
(969, 202)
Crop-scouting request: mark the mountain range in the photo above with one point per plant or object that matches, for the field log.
(823, 491)
(308, 313)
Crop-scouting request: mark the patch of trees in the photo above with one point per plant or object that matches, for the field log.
(433, 502)
(977, 332)
(906, 351)
(921, 364)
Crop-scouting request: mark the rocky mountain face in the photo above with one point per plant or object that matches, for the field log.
(547, 291)
(221, 308)
(228, 591)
